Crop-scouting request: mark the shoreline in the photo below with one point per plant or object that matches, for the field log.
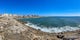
(52, 30)
(48, 32)
(67, 34)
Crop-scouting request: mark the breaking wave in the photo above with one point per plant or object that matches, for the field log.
(53, 29)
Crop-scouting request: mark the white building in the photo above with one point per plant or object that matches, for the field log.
(5, 15)
(8, 15)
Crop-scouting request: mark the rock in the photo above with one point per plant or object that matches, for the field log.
(60, 36)
(11, 29)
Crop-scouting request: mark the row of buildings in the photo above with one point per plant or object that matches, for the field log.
(20, 16)
(8, 15)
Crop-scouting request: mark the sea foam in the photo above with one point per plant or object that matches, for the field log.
(53, 29)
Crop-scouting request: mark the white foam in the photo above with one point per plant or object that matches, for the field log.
(54, 29)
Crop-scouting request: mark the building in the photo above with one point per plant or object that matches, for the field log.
(8, 15)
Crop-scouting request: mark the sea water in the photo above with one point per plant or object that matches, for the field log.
(53, 24)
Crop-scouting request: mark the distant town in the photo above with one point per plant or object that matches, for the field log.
(19, 16)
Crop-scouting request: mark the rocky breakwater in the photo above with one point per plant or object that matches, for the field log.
(11, 29)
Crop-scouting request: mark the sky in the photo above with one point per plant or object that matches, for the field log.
(41, 7)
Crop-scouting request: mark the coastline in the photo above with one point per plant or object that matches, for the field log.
(67, 34)
(49, 29)
(16, 30)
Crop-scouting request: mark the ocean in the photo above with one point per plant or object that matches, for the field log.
(54, 24)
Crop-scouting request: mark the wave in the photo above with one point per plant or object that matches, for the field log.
(53, 29)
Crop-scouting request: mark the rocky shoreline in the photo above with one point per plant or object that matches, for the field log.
(11, 29)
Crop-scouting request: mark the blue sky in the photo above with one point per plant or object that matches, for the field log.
(41, 7)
